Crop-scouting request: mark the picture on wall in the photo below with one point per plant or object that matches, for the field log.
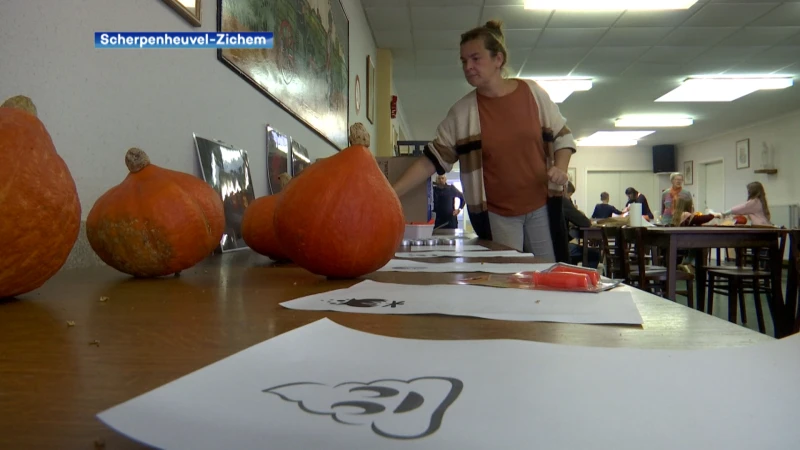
(572, 175)
(370, 90)
(300, 159)
(743, 154)
(307, 71)
(227, 170)
(688, 172)
(278, 164)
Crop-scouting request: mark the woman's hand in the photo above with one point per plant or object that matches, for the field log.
(557, 176)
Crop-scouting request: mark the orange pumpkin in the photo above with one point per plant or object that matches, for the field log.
(740, 220)
(258, 229)
(40, 213)
(340, 218)
(156, 222)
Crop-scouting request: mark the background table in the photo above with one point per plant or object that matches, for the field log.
(55, 378)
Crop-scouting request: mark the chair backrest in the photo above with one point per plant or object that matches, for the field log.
(793, 280)
(611, 257)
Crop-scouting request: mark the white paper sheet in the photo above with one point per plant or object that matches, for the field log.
(324, 386)
(405, 265)
(464, 254)
(372, 297)
(446, 248)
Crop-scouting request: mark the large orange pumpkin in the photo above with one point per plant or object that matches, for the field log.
(340, 218)
(40, 213)
(156, 222)
(258, 229)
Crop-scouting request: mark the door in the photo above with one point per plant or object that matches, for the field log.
(711, 195)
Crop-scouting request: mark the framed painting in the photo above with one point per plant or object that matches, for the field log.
(188, 9)
(227, 170)
(300, 159)
(370, 90)
(688, 172)
(307, 72)
(743, 154)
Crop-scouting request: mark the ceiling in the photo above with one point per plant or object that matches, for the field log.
(633, 57)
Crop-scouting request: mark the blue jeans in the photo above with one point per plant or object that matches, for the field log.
(576, 255)
(529, 233)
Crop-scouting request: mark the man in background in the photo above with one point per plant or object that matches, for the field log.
(576, 220)
(444, 196)
(603, 210)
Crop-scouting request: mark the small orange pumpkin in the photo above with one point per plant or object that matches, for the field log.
(156, 222)
(258, 229)
(340, 218)
(40, 213)
(740, 220)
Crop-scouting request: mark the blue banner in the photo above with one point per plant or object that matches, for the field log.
(166, 39)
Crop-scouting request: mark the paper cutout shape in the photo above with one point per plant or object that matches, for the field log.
(394, 409)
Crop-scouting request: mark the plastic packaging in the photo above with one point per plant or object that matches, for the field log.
(558, 277)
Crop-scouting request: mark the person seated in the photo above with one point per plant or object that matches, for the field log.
(603, 210)
(756, 209)
(684, 215)
(575, 220)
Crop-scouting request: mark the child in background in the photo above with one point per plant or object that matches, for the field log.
(684, 215)
(756, 208)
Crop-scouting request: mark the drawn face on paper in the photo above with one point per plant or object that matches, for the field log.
(359, 302)
(394, 409)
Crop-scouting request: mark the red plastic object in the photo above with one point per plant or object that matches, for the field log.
(562, 280)
(594, 276)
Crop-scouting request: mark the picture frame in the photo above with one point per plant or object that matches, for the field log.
(227, 170)
(307, 72)
(572, 174)
(357, 95)
(279, 162)
(370, 90)
(743, 154)
(192, 14)
(688, 172)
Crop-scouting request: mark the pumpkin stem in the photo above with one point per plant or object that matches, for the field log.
(136, 159)
(20, 102)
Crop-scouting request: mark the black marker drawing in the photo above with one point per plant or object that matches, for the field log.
(358, 302)
(394, 409)
(394, 304)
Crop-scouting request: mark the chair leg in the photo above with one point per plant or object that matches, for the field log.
(710, 298)
(690, 293)
(733, 288)
(759, 311)
(741, 302)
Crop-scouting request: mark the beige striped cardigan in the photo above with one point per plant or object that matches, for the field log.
(458, 138)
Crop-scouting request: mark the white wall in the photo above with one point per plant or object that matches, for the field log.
(782, 132)
(97, 103)
(608, 159)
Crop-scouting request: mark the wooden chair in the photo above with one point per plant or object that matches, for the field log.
(737, 281)
(792, 297)
(648, 278)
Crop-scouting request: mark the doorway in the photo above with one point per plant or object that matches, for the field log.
(711, 195)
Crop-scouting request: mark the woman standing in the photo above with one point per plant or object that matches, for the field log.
(513, 148)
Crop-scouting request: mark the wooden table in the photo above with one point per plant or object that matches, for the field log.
(131, 336)
(700, 239)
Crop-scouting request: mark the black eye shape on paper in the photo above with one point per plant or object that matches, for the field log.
(394, 409)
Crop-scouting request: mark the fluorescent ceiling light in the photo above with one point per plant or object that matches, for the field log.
(652, 121)
(613, 139)
(608, 5)
(560, 88)
(720, 88)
